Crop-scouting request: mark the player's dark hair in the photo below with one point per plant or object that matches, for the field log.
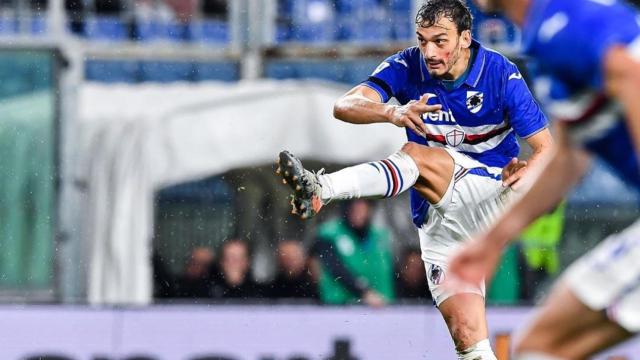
(455, 10)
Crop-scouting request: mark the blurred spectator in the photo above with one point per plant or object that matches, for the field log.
(108, 7)
(197, 280)
(75, 14)
(184, 10)
(412, 278)
(540, 257)
(356, 259)
(293, 279)
(235, 279)
(214, 8)
(163, 280)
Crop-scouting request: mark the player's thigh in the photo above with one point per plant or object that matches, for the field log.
(464, 314)
(568, 329)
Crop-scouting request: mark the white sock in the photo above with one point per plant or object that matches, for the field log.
(479, 351)
(384, 178)
(534, 356)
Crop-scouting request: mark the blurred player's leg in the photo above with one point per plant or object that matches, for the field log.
(567, 329)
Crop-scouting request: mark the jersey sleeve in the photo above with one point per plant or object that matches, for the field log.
(524, 113)
(389, 77)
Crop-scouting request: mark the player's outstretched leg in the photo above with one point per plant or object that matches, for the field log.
(377, 179)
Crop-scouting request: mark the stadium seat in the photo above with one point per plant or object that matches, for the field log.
(8, 26)
(166, 71)
(147, 30)
(211, 31)
(313, 21)
(218, 71)
(371, 26)
(402, 26)
(37, 25)
(106, 28)
(112, 71)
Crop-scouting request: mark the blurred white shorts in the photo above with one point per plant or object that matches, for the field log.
(608, 278)
(474, 199)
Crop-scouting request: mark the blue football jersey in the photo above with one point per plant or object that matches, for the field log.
(481, 117)
(569, 39)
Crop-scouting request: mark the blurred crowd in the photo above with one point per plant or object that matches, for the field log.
(350, 262)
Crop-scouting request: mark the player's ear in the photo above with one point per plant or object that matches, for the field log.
(465, 39)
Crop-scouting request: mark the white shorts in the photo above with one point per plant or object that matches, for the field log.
(608, 278)
(474, 199)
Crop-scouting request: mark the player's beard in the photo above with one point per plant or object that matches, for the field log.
(453, 59)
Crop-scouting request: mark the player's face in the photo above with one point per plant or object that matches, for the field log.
(442, 46)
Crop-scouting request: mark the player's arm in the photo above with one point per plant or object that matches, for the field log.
(551, 180)
(541, 145)
(622, 81)
(363, 105)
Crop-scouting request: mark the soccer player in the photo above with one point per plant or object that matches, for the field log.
(590, 49)
(462, 106)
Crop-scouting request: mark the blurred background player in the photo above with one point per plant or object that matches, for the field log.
(595, 82)
(458, 147)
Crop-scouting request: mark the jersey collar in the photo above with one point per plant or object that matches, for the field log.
(478, 64)
(473, 77)
(532, 21)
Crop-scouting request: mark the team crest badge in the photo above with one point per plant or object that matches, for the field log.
(474, 101)
(455, 137)
(436, 274)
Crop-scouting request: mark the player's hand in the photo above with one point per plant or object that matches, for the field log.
(513, 172)
(373, 299)
(476, 261)
(410, 114)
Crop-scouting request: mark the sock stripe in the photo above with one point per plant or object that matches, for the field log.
(399, 175)
(386, 174)
(394, 177)
(375, 166)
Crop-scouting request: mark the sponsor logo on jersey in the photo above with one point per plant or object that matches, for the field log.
(455, 137)
(446, 116)
(474, 101)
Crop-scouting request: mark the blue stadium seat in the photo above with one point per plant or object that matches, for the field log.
(403, 26)
(166, 71)
(38, 25)
(106, 28)
(355, 6)
(281, 69)
(8, 26)
(219, 71)
(211, 31)
(313, 21)
(401, 5)
(371, 26)
(112, 71)
(176, 31)
(147, 30)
